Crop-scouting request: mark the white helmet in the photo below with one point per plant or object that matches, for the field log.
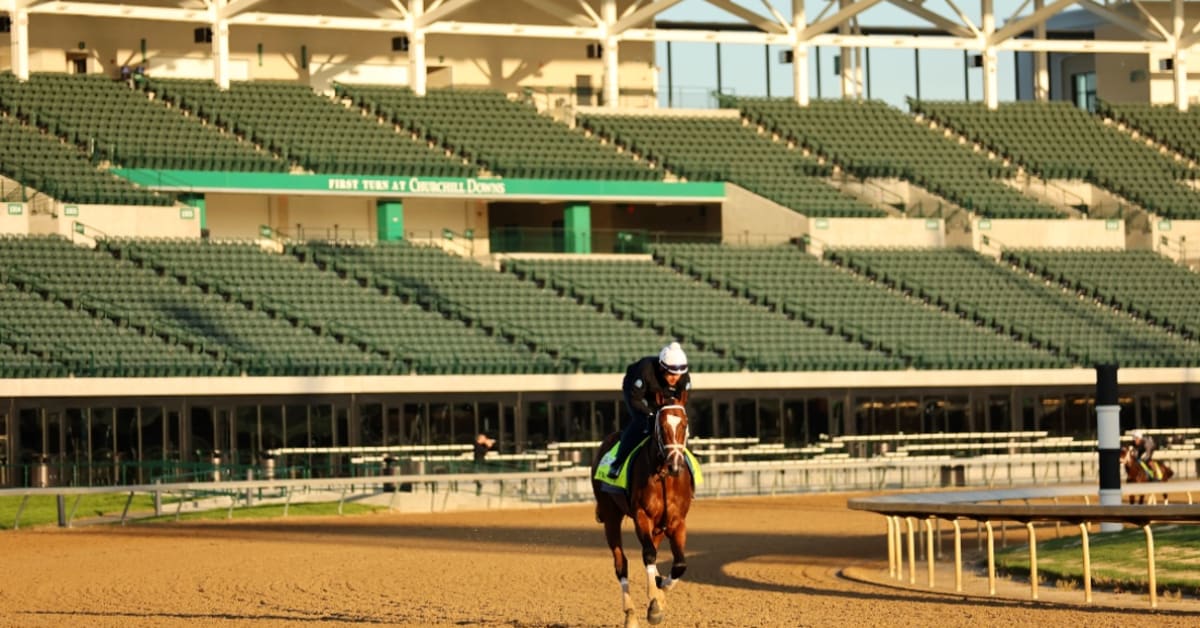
(672, 359)
(1136, 434)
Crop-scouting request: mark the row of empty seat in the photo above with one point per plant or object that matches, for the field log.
(872, 139)
(184, 308)
(1058, 141)
(723, 149)
(277, 126)
(1046, 316)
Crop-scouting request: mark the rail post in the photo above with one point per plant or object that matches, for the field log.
(1033, 570)
(1151, 580)
(1087, 563)
(1108, 423)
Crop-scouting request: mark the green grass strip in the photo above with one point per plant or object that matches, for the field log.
(1118, 559)
(43, 509)
(268, 511)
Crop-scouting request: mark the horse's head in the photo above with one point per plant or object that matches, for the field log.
(1128, 455)
(671, 432)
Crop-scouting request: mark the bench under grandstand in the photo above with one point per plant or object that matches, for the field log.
(144, 307)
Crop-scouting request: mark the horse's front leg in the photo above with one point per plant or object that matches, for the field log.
(678, 540)
(650, 540)
(612, 533)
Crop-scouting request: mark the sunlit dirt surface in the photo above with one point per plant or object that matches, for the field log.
(752, 562)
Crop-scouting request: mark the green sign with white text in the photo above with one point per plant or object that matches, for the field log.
(198, 181)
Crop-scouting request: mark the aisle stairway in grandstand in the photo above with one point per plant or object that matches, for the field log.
(1142, 283)
(196, 331)
(1060, 141)
(43, 162)
(293, 121)
(123, 126)
(705, 148)
(871, 139)
(507, 137)
(1001, 298)
(709, 316)
(1177, 130)
(322, 301)
(853, 307)
(503, 304)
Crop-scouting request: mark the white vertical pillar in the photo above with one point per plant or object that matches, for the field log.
(799, 55)
(19, 38)
(418, 70)
(860, 84)
(847, 74)
(1108, 431)
(991, 79)
(220, 46)
(612, 81)
(1181, 80)
(1179, 58)
(1041, 72)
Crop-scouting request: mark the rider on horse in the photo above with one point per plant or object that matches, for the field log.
(667, 374)
(1144, 445)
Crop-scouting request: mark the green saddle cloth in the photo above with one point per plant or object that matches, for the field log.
(622, 480)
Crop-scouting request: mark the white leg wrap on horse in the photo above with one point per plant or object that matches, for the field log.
(651, 571)
(667, 583)
(624, 585)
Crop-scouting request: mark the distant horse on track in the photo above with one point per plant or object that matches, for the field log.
(660, 493)
(1136, 474)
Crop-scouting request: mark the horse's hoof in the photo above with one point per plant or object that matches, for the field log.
(631, 619)
(654, 614)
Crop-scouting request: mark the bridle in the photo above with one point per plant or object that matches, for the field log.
(671, 452)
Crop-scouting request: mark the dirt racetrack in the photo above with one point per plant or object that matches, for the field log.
(752, 562)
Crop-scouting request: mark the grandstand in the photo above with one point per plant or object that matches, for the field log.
(401, 243)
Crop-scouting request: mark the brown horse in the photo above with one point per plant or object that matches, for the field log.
(1136, 474)
(659, 496)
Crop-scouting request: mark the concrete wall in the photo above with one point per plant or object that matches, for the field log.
(905, 232)
(748, 218)
(127, 220)
(15, 218)
(1182, 239)
(1106, 234)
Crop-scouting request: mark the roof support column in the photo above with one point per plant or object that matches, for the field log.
(1179, 57)
(612, 92)
(220, 44)
(1041, 72)
(19, 38)
(799, 55)
(991, 80)
(846, 56)
(418, 70)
